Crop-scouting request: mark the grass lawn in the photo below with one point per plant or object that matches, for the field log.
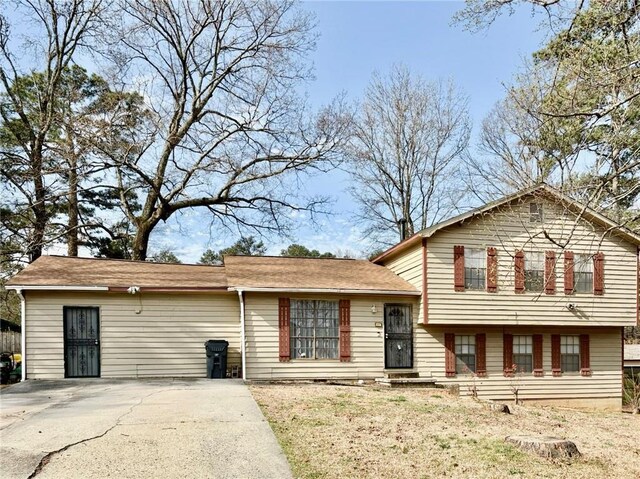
(341, 431)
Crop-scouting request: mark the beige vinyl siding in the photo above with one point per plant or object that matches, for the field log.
(508, 230)
(605, 356)
(165, 339)
(367, 340)
(408, 265)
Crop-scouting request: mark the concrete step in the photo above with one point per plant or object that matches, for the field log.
(407, 382)
(401, 374)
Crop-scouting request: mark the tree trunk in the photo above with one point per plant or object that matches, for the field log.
(141, 242)
(38, 208)
(72, 208)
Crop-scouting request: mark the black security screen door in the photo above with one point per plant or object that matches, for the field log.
(81, 342)
(398, 337)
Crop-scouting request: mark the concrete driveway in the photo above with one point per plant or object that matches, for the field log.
(136, 429)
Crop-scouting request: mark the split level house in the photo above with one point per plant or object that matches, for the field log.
(530, 293)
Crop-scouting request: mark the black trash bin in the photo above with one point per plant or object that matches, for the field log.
(216, 358)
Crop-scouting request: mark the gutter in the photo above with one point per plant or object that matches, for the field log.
(377, 292)
(23, 332)
(57, 288)
(243, 345)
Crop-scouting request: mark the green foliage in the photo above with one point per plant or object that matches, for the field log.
(9, 300)
(592, 101)
(165, 256)
(85, 119)
(300, 251)
(210, 257)
(245, 246)
(573, 117)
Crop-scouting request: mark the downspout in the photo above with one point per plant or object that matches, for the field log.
(23, 332)
(243, 346)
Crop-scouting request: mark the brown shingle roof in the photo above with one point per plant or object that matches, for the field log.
(309, 273)
(278, 273)
(68, 271)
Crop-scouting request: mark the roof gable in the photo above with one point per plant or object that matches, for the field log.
(541, 190)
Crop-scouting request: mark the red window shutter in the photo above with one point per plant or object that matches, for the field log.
(507, 354)
(568, 272)
(550, 272)
(284, 319)
(585, 362)
(538, 368)
(345, 330)
(556, 363)
(458, 268)
(492, 270)
(481, 354)
(519, 272)
(598, 274)
(450, 354)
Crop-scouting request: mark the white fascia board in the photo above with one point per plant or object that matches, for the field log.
(57, 288)
(376, 292)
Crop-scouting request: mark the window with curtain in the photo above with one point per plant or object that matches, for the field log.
(314, 329)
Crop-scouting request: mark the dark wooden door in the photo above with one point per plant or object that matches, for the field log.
(398, 337)
(81, 342)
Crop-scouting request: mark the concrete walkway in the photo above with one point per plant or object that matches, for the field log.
(136, 429)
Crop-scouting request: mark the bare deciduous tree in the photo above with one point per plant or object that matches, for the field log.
(230, 134)
(409, 136)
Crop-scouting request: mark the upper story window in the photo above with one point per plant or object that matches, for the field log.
(314, 329)
(475, 268)
(465, 354)
(534, 271)
(570, 353)
(583, 273)
(523, 353)
(535, 212)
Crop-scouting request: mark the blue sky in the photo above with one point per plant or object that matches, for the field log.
(357, 38)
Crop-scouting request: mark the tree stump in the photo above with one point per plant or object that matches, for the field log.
(546, 446)
(497, 407)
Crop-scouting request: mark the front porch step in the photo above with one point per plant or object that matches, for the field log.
(413, 382)
(401, 374)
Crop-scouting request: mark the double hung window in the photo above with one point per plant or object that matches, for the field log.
(475, 268)
(465, 354)
(534, 271)
(583, 274)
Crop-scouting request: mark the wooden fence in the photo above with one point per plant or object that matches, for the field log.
(10, 341)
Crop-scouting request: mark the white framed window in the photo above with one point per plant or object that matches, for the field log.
(534, 271)
(570, 354)
(465, 354)
(523, 353)
(583, 273)
(475, 268)
(314, 329)
(535, 212)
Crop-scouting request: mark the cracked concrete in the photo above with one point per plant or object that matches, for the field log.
(135, 428)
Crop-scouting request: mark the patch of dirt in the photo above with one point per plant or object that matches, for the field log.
(339, 431)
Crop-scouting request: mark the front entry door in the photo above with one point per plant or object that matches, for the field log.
(81, 342)
(398, 337)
